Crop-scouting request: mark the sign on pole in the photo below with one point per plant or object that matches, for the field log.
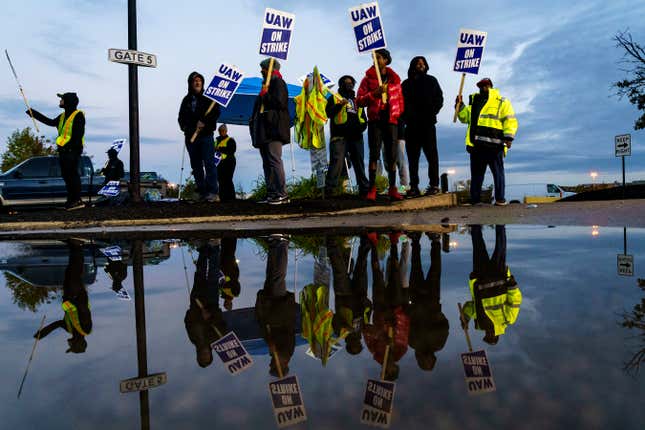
(129, 56)
(325, 80)
(113, 253)
(111, 189)
(625, 265)
(378, 403)
(479, 378)
(368, 27)
(143, 384)
(276, 33)
(117, 144)
(225, 83)
(288, 406)
(232, 353)
(470, 49)
(623, 145)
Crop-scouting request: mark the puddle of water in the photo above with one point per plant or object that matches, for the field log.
(547, 305)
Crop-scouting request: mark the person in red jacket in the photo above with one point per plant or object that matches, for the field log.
(382, 119)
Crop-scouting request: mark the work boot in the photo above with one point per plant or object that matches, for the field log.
(431, 191)
(75, 205)
(373, 238)
(394, 237)
(501, 202)
(394, 194)
(371, 194)
(212, 198)
(412, 193)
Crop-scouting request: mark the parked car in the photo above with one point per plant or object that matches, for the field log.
(38, 181)
(151, 183)
(535, 193)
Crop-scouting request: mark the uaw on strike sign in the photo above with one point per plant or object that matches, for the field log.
(277, 29)
(226, 81)
(368, 27)
(470, 49)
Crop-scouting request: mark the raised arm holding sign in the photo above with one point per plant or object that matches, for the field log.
(470, 49)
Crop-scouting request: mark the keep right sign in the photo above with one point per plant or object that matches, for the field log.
(623, 145)
(625, 265)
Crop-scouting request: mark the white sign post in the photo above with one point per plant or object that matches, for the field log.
(128, 56)
(368, 30)
(625, 265)
(470, 49)
(623, 148)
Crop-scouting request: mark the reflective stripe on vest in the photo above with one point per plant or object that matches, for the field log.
(71, 318)
(65, 129)
(222, 144)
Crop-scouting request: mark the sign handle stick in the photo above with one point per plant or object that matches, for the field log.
(461, 90)
(268, 80)
(274, 353)
(210, 108)
(201, 306)
(31, 356)
(378, 76)
(462, 318)
(15, 75)
(387, 353)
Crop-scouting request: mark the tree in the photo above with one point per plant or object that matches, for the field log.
(23, 144)
(28, 296)
(634, 65)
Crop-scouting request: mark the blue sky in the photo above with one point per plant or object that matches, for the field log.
(555, 60)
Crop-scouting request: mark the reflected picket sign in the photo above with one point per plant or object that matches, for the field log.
(378, 403)
(144, 383)
(625, 264)
(230, 350)
(113, 253)
(288, 405)
(479, 378)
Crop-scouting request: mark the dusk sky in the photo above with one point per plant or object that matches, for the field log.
(555, 60)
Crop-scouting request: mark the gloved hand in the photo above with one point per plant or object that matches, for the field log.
(264, 91)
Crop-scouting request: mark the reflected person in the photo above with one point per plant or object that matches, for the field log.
(230, 268)
(353, 308)
(117, 271)
(428, 325)
(275, 307)
(203, 320)
(496, 297)
(77, 319)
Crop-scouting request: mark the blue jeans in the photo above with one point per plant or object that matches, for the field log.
(479, 160)
(202, 161)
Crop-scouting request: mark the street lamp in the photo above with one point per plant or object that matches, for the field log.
(593, 175)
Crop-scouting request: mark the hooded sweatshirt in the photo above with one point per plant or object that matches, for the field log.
(75, 144)
(423, 96)
(193, 108)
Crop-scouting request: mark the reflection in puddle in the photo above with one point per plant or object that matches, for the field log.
(414, 310)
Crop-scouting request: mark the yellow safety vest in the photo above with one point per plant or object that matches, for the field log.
(341, 116)
(222, 144)
(497, 115)
(65, 129)
(502, 309)
(71, 317)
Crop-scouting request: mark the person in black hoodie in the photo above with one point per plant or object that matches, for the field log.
(348, 122)
(71, 136)
(193, 117)
(269, 128)
(113, 170)
(423, 100)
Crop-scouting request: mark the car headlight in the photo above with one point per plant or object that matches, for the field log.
(1, 184)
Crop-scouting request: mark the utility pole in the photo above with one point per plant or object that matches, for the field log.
(133, 87)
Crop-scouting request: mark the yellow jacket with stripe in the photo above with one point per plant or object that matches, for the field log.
(496, 122)
(498, 299)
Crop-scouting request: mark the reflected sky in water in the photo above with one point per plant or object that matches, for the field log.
(558, 363)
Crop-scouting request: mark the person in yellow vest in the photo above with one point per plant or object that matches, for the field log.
(348, 122)
(70, 140)
(496, 297)
(491, 129)
(225, 148)
(77, 320)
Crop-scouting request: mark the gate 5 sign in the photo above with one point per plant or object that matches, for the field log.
(470, 49)
(224, 84)
(276, 33)
(368, 28)
(623, 145)
(127, 56)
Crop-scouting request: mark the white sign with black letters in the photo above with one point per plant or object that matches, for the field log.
(625, 265)
(623, 145)
(129, 56)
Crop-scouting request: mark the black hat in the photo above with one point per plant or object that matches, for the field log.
(385, 54)
(485, 81)
(70, 100)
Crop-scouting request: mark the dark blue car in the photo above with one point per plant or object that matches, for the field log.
(38, 181)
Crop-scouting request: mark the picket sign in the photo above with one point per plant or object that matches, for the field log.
(470, 49)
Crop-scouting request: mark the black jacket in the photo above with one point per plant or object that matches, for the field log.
(113, 170)
(272, 124)
(193, 108)
(422, 97)
(352, 129)
(75, 144)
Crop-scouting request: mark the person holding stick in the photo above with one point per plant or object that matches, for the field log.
(197, 117)
(70, 141)
(423, 101)
(384, 104)
(491, 129)
(269, 128)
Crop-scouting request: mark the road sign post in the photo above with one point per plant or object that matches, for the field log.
(622, 149)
